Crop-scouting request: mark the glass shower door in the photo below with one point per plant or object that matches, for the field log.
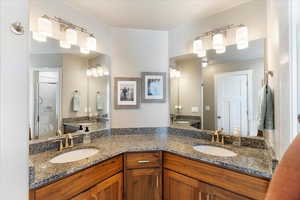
(47, 119)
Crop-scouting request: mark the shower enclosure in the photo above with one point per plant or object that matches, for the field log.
(47, 93)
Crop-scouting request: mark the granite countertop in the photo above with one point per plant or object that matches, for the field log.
(252, 161)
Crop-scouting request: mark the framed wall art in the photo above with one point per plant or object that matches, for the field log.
(127, 93)
(153, 87)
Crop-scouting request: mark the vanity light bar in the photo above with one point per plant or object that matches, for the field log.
(65, 24)
(71, 33)
(218, 38)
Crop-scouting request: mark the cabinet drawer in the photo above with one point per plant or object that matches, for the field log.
(249, 186)
(142, 160)
(70, 186)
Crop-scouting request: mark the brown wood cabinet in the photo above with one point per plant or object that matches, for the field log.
(73, 185)
(184, 179)
(231, 181)
(179, 187)
(143, 184)
(110, 189)
(143, 176)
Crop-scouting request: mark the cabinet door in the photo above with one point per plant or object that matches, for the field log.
(110, 189)
(143, 184)
(216, 193)
(179, 187)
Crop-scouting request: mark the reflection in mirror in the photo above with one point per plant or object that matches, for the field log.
(220, 91)
(69, 90)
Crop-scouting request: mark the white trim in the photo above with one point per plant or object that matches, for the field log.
(14, 101)
(251, 116)
(293, 58)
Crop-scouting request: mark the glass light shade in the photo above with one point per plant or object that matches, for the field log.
(71, 36)
(84, 50)
(198, 48)
(39, 37)
(100, 71)
(202, 54)
(173, 73)
(242, 39)
(177, 74)
(220, 51)
(89, 72)
(91, 43)
(45, 27)
(64, 44)
(218, 41)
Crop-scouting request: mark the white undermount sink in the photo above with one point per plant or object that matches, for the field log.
(214, 151)
(74, 155)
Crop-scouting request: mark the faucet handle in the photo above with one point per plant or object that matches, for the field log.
(70, 140)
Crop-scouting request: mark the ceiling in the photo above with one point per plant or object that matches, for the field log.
(150, 14)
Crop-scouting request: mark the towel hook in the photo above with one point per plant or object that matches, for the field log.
(267, 74)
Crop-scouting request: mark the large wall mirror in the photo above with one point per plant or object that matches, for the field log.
(221, 91)
(69, 90)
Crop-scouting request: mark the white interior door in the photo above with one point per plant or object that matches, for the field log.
(232, 103)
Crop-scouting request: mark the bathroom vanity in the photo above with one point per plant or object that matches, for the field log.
(152, 167)
(183, 178)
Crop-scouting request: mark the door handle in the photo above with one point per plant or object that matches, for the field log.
(157, 181)
(219, 117)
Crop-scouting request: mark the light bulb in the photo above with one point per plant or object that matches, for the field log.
(89, 72)
(39, 37)
(91, 43)
(71, 36)
(218, 41)
(94, 72)
(64, 44)
(100, 71)
(106, 72)
(242, 39)
(45, 27)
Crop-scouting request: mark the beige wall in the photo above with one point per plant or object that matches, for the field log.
(189, 87)
(135, 51)
(209, 87)
(252, 14)
(100, 84)
(74, 78)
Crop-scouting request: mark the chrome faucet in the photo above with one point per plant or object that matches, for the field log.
(218, 134)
